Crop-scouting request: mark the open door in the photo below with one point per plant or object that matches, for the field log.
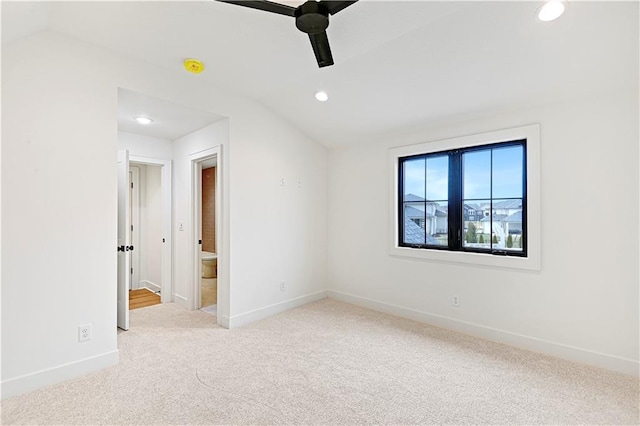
(197, 208)
(124, 240)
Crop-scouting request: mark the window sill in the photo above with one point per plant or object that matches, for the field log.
(481, 259)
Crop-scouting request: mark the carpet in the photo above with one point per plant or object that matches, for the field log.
(327, 362)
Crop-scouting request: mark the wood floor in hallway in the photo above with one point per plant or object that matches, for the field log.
(142, 298)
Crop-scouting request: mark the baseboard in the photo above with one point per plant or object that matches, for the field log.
(267, 311)
(223, 321)
(61, 373)
(559, 350)
(182, 301)
(150, 286)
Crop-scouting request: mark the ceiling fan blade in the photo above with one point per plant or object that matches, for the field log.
(336, 6)
(268, 6)
(320, 44)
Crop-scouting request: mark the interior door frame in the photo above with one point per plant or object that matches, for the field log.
(196, 160)
(166, 293)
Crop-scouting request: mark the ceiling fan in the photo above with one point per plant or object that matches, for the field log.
(312, 17)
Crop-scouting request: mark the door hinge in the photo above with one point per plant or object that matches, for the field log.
(131, 185)
(199, 241)
(131, 271)
(131, 228)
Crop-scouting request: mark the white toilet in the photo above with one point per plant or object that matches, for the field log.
(209, 264)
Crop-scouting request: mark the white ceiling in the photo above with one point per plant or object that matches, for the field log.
(170, 121)
(398, 65)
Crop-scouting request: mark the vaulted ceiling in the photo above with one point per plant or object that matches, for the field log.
(398, 65)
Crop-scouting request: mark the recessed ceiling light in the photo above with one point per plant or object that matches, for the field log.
(322, 96)
(551, 10)
(144, 120)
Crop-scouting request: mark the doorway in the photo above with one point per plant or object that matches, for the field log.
(208, 252)
(144, 237)
(206, 207)
(178, 134)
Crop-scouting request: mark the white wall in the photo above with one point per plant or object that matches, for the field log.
(184, 255)
(582, 305)
(152, 225)
(279, 231)
(59, 124)
(59, 215)
(145, 146)
(139, 170)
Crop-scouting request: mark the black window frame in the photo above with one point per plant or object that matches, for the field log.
(455, 222)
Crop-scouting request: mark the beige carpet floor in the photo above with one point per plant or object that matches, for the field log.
(324, 363)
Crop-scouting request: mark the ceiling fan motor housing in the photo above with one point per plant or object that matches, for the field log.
(312, 17)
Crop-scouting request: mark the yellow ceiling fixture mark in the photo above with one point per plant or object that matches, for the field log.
(193, 66)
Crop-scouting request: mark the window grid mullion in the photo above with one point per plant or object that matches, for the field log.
(491, 199)
(425, 199)
(455, 195)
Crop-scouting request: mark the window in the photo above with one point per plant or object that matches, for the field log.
(469, 199)
(445, 189)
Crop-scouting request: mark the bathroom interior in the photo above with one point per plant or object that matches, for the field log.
(209, 258)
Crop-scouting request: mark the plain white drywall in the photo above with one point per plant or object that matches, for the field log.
(138, 173)
(213, 135)
(586, 294)
(59, 143)
(279, 230)
(145, 146)
(59, 200)
(152, 225)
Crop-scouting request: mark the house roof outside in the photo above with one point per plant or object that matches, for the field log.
(413, 198)
(514, 217)
(496, 218)
(413, 234)
(413, 213)
(508, 204)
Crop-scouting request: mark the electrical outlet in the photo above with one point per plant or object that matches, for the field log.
(84, 333)
(455, 301)
(282, 287)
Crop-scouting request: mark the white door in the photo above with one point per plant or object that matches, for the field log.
(198, 229)
(124, 240)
